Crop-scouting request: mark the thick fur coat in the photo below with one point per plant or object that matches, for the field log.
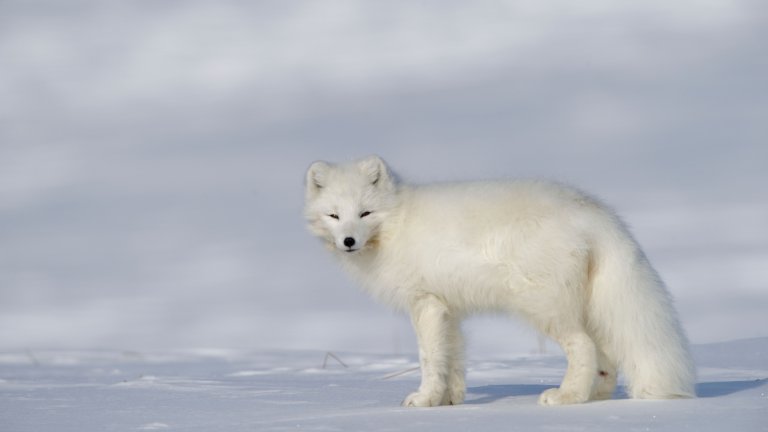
(548, 253)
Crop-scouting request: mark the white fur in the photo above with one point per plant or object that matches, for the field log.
(548, 253)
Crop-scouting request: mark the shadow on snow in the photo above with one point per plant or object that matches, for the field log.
(724, 388)
(492, 393)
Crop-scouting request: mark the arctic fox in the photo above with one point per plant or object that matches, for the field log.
(546, 252)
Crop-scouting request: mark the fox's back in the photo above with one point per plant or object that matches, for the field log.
(479, 236)
(467, 210)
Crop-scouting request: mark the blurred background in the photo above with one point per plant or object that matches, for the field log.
(152, 155)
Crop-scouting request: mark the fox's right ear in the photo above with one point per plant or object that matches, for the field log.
(316, 175)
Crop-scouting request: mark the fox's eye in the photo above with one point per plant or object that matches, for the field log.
(364, 214)
(333, 216)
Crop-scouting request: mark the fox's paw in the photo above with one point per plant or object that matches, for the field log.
(602, 395)
(556, 396)
(454, 396)
(423, 399)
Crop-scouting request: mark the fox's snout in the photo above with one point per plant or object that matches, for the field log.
(349, 244)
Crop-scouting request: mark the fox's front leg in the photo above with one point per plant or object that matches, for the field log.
(433, 324)
(456, 385)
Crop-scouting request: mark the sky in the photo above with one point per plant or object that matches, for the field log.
(152, 155)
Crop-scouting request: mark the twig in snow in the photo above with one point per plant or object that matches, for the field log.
(333, 356)
(398, 373)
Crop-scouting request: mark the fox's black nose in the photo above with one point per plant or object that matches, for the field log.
(349, 242)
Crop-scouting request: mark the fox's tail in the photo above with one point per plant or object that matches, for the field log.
(633, 319)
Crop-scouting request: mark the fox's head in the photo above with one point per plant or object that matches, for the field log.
(346, 204)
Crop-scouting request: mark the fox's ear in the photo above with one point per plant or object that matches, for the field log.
(316, 175)
(377, 172)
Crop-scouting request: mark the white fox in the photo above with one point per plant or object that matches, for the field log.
(555, 256)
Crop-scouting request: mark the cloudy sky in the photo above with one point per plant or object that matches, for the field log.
(152, 154)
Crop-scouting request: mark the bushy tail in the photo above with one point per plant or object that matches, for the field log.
(633, 319)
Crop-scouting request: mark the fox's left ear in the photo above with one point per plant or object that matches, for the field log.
(376, 169)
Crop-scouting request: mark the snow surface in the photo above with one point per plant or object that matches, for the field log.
(218, 390)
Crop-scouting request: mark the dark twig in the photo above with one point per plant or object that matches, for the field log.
(398, 373)
(333, 356)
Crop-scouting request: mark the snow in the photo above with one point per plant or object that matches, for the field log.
(291, 390)
(155, 273)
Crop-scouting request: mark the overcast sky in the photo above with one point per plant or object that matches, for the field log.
(152, 153)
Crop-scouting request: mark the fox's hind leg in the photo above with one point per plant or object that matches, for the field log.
(580, 375)
(605, 383)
